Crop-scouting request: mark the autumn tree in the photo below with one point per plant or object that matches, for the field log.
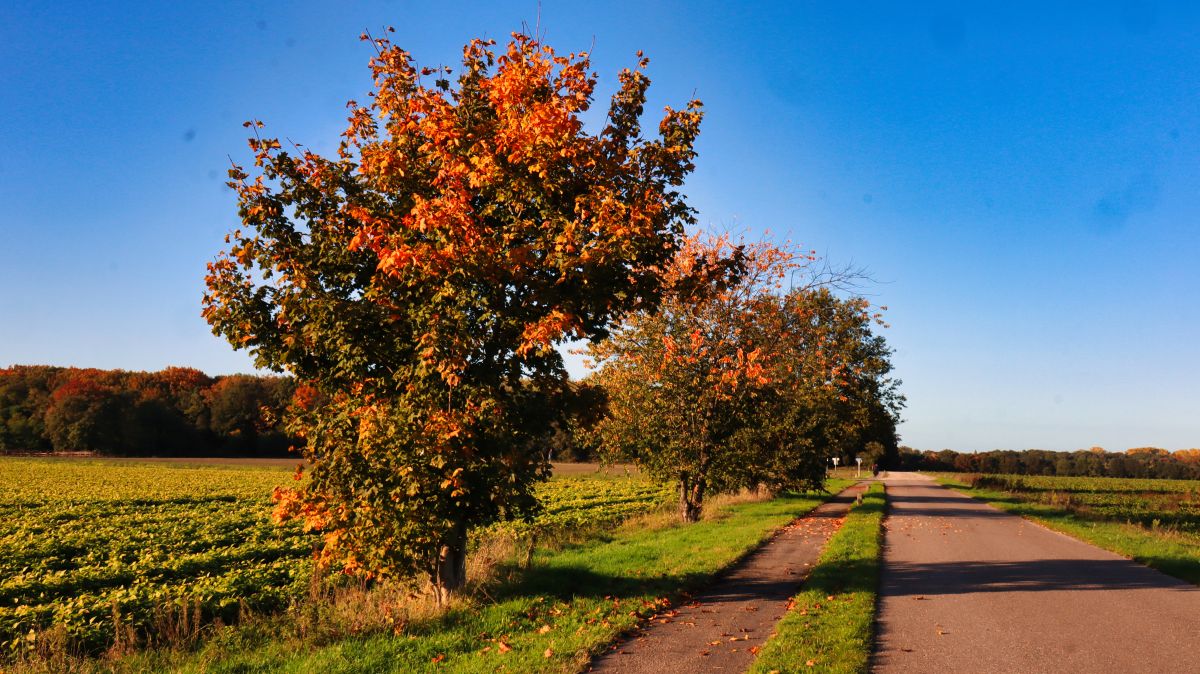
(831, 391)
(747, 379)
(1188, 456)
(683, 378)
(421, 279)
(85, 413)
(25, 394)
(244, 410)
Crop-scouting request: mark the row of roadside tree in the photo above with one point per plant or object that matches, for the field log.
(423, 279)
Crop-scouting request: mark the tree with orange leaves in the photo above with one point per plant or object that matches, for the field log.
(421, 279)
(743, 380)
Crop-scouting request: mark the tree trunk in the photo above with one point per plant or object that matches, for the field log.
(691, 498)
(450, 572)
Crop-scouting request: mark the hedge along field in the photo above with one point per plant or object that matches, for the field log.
(84, 543)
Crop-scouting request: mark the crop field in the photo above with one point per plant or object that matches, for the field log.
(1166, 504)
(84, 542)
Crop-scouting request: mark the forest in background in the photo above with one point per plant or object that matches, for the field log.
(178, 411)
(1144, 462)
(181, 411)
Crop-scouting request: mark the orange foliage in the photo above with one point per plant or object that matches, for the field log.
(422, 278)
(1189, 456)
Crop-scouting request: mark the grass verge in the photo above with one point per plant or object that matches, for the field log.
(1173, 553)
(574, 600)
(829, 627)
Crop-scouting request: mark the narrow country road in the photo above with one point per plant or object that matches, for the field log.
(968, 588)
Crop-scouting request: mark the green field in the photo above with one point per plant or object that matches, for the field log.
(1156, 522)
(1167, 504)
(86, 543)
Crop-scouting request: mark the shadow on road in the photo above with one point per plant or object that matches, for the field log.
(943, 506)
(1035, 575)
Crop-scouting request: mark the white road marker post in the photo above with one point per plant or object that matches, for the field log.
(858, 471)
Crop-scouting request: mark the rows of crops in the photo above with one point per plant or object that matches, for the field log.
(583, 501)
(82, 542)
(1167, 504)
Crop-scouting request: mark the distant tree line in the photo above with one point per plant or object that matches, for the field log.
(175, 412)
(1145, 462)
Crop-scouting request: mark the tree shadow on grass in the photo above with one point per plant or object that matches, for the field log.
(570, 582)
(567, 581)
(955, 506)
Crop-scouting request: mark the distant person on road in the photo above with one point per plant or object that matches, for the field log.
(875, 470)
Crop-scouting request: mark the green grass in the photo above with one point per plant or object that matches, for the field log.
(1174, 552)
(829, 627)
(569, 605)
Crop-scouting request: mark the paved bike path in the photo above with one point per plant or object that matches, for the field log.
(723, 627)
(968, 588)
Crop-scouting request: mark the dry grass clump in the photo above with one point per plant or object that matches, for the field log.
(718, 506)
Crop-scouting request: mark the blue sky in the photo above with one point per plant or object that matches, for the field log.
(1022, 181)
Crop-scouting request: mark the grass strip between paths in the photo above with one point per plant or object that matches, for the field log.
(553, 617)
(830, 624)
(1170, 552)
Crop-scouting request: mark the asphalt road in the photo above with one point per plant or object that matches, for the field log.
(968, 588)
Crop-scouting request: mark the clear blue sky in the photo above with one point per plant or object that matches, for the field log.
(1022, 181)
